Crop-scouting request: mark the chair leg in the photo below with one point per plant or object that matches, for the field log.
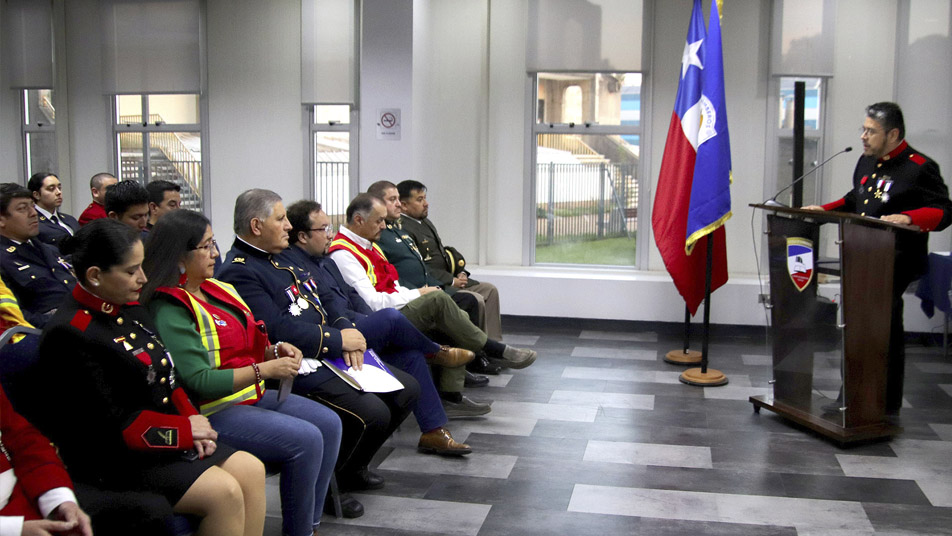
(335, 496)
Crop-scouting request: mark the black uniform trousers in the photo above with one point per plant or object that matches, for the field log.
(368, 419)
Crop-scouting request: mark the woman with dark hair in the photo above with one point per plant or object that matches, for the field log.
(106, 394)
(223, 357)
(47, 194)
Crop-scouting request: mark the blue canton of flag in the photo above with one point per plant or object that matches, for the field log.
(710, 203)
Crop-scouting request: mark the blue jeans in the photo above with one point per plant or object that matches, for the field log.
(402, 345)
(299, 435)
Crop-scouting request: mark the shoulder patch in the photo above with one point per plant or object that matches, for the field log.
(917, 158)
(238, 260)
(81, 320)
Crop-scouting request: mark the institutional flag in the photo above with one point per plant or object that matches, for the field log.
(693, 196)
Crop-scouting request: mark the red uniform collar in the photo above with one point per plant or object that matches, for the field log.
(895, 152)
(95, 303)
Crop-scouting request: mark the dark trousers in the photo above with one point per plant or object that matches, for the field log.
(368, 419)
(402, 345)
(903, 276)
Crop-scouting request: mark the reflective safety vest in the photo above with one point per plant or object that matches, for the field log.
(383, 275)
(225, 354)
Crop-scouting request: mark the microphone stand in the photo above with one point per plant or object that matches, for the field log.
(772, 202)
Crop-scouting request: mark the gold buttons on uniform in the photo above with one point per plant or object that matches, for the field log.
(862, 214)
(162, 379)
(870, 189)
(865, 201)
(119, 321)
(324, 350)
(150, 346)
(165, 400)
(164, 361)
(132, 336)
(874, 175)
(326, 334)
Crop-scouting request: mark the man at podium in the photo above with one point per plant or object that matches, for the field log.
(894, 182)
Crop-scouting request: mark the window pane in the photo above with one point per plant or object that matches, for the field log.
(41, 152)
(40, 109)
(131, 162)
(785, 176)
(177, 157)
(586, 199)
(338, 114)
(811, 104)
(129, 108)
(174, 109)
(332, 173)
(597, 98)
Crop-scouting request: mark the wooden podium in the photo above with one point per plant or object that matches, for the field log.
(856, 324)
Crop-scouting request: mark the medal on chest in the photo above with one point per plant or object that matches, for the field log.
(298, 303)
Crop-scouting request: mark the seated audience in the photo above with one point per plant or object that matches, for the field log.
(35, 272)
(311, 234)
(48, 196)
(365, 267)
(402, 252)
(292, 312)
(164, 197)
(200, 318)
(128, 202)
(111, 402)
(446, 264)
(97, 187)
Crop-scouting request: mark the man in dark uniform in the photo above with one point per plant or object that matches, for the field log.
(894, 182)
(445, 263)
(48, 196)
(36, 273)
(403, 254)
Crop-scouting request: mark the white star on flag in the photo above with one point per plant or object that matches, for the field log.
(690, 57)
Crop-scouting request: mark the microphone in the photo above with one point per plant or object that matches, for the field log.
(772, 202)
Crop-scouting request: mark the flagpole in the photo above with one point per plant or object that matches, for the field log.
(703, 376)
(685, 356)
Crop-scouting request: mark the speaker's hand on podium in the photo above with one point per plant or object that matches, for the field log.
(813, 207)
(901, 219)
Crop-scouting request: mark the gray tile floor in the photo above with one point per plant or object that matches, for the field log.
(600, 437)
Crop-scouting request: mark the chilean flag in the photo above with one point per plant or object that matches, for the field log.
(693, 198)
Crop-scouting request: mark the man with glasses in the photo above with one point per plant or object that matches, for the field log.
(895, 183)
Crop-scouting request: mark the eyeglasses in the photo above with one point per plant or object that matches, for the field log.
(208, 246)
(328, 230)
(869, 131)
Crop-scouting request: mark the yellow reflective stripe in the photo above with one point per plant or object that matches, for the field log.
(369, 266)
(247, 393)
(207, 331)
(8, 301)
(379, 251)
(230, 290)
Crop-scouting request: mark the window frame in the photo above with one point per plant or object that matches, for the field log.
(148, 127)
(26, 129)
(535, 127)
(353, 166)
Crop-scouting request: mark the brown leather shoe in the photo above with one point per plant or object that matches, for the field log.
(440, 442)
(450, 357)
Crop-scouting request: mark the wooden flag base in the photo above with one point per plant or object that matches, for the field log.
(680, 357)
(712, 378)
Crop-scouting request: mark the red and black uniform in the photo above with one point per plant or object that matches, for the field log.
(105, 392)
(94, 211)
(908, 182)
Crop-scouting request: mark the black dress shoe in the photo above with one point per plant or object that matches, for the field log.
(360, 480)
(472, 380)
(350, 507)
(482, 365)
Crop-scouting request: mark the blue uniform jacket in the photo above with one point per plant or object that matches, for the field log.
(38, 276)
(53, 233)
(289, 304)
(333, 298)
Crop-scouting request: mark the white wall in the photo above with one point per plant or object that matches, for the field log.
(386, 70)
(256, 121)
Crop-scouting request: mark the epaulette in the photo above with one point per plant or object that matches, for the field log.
(238, 260)
(917, 158)
(11, 249)
(81, 320)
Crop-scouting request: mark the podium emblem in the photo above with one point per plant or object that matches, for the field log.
(800, 261)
